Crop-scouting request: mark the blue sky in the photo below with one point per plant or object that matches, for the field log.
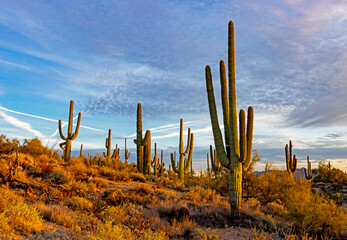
(107, 56)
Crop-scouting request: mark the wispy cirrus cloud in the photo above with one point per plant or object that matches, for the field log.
(20, 124)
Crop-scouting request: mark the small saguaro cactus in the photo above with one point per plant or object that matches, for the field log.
(216, 166)
(81, 151)
(126, 153)
(66, 146)
(162, 164)
(182, 167)
(143, 145)
(107, 155)
(308, 174)
(208, 165)
(291, 160)
(235, 155)
(155, 162)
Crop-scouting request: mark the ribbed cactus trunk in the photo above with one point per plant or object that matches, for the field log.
(143, 145)
(237, 152)
(66, 146)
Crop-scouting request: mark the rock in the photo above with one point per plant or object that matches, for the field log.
(183, 212)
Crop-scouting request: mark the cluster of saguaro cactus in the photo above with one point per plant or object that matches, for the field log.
(215, 164)
(66, 146)
(183, 167)
(291, 159)
(236, 154)
(107, 155)
(158, 168)
(143, 145)
(308, 174)
(126, 152)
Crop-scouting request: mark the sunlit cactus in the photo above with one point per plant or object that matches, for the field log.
(208, 164)
(183, 167)
(126, 153)
(158, 168)
(236, 154)
(143, 145)
(107, 155)
(291, 160)
(308, 174)
(81, 151)
(66, 146)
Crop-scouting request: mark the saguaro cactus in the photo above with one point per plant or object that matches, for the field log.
(143, 145)
(216, 166)
(208, 165)
(126, 153)
(237, 152)
(107, 155)
(66, 146)
(308, 175)
(81, 151)
(182, 167)
(291, 160)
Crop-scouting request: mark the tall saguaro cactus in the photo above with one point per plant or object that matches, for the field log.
(308, 174)
(236, 154)
(66, 146)
(126, 152)
(291, 160)
(143, 145)
(107, 155)
(183, 168)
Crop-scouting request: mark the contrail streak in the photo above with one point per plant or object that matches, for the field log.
(47, 119)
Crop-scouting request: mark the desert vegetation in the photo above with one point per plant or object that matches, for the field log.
(45, 195)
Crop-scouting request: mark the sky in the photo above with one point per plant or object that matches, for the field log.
(107, 56)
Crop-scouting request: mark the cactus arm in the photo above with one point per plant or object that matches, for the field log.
(75, 134)
(308, 175)
(234, 141)
(62, 145)
(217, 135)
(213, 160)
(249, 137)
(190, 155)
(173, 163)
(70, 119)
(225, 104)
(147, 137)
(61, 131)
(243, 147)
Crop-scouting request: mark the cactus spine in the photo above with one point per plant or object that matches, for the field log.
(126, 153)
(66, 146)
(291, 160)
(143, 145)
(236, 155)
(216, 166)
(107, 155)
(308, 175)
(183, 168)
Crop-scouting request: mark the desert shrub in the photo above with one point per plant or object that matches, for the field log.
(177, 185)
(8, 146)
(201, 195)
(329, 175)
(275, 208)
(166, 196)
(75, 188)
(78, 203)
(150, 178)
(100, 182)
(46, 164)
(315, 214)
(115, 196)
(24, 218)
(121, 176)
(61, 177)
(137, 177)
(35, 148)
(206, 234)
(60, 215)
(78, 168)
(164, 181)
(144, 188)
(180, 229)
(4, 224)
(251, 206)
